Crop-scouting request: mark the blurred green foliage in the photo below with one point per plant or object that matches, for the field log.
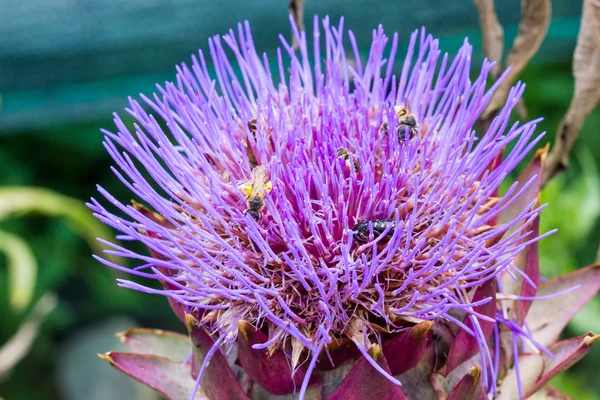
(71, 160)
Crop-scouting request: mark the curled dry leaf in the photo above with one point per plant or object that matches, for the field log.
(593, 7)
(297, 10)
(521, 109)
(493, 43)
(535, 18)
(492, 32)
(530, 193)
(586, 70)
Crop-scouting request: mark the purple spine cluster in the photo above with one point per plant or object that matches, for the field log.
(295, 268)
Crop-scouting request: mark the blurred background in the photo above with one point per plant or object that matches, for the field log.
(66, 65)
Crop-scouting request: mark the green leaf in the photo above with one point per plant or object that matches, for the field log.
(18, 346)
(24, 200)
(22, 270)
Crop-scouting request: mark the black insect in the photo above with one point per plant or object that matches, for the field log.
(255, 189)
(255, 205)
(252, 125)
(362, 232)
(254, 214)
(345, 154)
(407, 125)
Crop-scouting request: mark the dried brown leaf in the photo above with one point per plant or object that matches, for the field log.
(296, 8)
(493, 34)
(593, 7)
(586, 70)
(531, 367)
(521, 109)
(535, 18)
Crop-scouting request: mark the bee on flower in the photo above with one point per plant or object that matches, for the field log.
(412, 278)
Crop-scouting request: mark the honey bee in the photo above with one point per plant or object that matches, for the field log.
(406, 122)
(252, 127)
(249, 151)
(345, 154)
(362, 231)
(254, 189)
(407, 126)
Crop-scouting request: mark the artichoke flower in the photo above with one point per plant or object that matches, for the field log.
(326, 229)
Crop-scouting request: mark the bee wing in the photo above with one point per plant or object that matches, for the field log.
(259, 181)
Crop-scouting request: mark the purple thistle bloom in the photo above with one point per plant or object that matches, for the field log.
(305, 201)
